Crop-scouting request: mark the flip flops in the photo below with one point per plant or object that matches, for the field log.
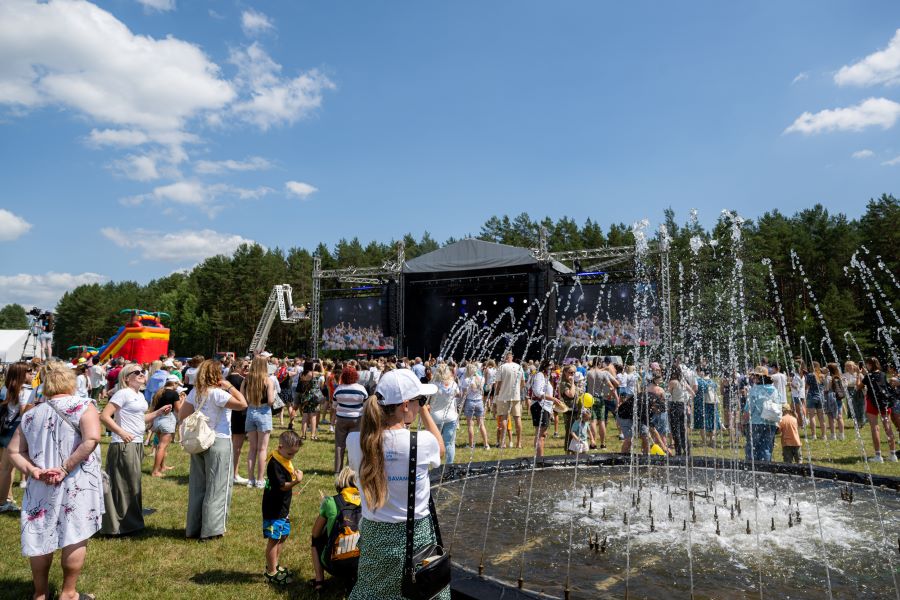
(279, 578)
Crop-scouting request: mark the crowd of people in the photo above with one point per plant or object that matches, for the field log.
(346, 336)
(581, 331)
(54, 415)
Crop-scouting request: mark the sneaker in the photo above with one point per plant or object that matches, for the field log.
(892, 457)
(488, 447)
(23, 483)
(555, 434)
(260, 485)
(241, 480)
(251, 483)
(621, 437)
(9, 506)
(842, 437)
(877, 459)
(331, 429)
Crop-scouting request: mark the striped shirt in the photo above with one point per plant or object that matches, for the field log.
(349, 399)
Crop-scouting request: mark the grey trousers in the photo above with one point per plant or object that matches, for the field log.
(343, 426)
(124, 508)
(209, 490)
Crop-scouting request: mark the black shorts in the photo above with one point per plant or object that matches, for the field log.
(539, 416)
(238, 419)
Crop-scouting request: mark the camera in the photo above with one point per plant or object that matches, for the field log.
(35, 312)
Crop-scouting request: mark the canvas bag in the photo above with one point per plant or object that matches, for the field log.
(196, 434)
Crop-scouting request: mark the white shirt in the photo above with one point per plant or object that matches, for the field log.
(779, 380)
(190, 376)
(510, 377)
(798, 386)
(473, 387)
(396, 466)
(97, 375)
(26, 397)
(443, 403)
(82, 386)
(540, 387)
(214, 409)
(130, 409)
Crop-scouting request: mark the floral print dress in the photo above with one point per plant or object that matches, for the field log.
(57, 516)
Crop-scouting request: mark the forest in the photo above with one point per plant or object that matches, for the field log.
(216, 305)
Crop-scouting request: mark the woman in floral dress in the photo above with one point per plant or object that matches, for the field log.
(57, 446)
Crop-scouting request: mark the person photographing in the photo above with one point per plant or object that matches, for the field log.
(380, 453)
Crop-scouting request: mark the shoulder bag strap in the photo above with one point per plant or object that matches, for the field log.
(410, 503)
(62, 416)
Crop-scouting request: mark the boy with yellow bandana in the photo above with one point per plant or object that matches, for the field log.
(281, 477)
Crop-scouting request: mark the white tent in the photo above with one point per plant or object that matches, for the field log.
(12, 344)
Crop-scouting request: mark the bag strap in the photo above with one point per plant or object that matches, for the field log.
(410, 504)
(63, 417)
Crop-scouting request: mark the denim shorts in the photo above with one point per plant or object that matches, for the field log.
(474, 408)
(259, 418)
(628, 428)
(164, 423)
(660, 423)
(276, 529)
(814, 402)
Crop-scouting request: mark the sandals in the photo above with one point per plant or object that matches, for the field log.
(279, 578)
(317, 584)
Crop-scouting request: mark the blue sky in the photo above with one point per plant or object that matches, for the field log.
(138, 137)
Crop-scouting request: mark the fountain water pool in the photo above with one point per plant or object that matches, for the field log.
(609, 504)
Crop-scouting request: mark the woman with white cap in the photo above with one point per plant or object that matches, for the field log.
(170, 394)
(379, 452)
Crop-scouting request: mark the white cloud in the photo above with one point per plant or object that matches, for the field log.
(877, 68)
(77, 55)
(206, 198)
(120, 138)
(210, 167)
(890, 163)
(863, 154)
(800, 77)
(254, 22)
(42, 290)
(268, 99)
(873, 112)
(185, 246)
(300, 189)
(138, 167)
(160, 5)
(12, 226)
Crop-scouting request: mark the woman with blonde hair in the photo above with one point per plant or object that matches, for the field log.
(472, 386)
(126, 416)
(57, 445)
(384, 433)
(815, 398)
(260, 390)
(443, 409)
(211, 475)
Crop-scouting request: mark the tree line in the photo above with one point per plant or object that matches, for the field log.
(216, 305)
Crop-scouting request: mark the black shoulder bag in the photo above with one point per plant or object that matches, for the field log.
(427, 573)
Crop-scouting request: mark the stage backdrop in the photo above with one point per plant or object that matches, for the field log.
(603, 315)
(354, 324)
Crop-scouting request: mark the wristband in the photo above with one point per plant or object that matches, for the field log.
(64, 470)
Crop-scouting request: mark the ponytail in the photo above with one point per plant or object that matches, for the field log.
(372, 478)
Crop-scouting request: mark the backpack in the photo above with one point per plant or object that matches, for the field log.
(196, 434)
(342, 547)
(884, 395)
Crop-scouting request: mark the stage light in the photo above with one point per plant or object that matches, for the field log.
(453, 304)
(463, 302)
(524, 301)
(511, 299)
(495, 303)
(479, 303)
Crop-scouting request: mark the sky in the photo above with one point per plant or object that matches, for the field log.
(138, 137)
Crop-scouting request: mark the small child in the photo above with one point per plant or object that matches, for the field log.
(581, 434)
(281, 477)
(790, 437)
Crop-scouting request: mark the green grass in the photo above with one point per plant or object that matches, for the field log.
(160, 563)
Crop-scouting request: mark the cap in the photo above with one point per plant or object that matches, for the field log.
(181, 389)
(265, 354)
(172, 379)
(169, 363)
(400, 385)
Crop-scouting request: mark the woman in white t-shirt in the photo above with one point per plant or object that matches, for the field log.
(82, 381)
(542, 401)
(16, 395)
(126, 416)
(212, 474)
(379, 453)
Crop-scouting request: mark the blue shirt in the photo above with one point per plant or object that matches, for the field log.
(419, 370)
(156, 381)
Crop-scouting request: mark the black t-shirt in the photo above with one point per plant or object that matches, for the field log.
(168, 397)
(276, 504)
(235, 380)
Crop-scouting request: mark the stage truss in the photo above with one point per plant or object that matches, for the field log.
(597, 259)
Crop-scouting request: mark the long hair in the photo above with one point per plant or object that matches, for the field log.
(209, 374)
(873, 364)
(16, 377)
(169, 385)
(255, 383)
(817, 371)
(372, 478)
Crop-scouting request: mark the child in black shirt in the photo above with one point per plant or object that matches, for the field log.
(281, 477)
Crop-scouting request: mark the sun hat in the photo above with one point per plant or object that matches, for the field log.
(400, 385)
(560, 408)
(762, 371)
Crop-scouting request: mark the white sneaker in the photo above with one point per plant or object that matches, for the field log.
(877, 459)
(892, 457)
(23, 483)
(251, 483)
(241, 480)
(331, 429)
(9, 506)
(842, 437)
(260, 485)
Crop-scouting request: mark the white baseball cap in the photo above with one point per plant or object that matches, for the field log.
(172, 379)
(169, 363)
(399, 385)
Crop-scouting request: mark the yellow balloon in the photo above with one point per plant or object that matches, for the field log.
(587, 400)
(655, 450)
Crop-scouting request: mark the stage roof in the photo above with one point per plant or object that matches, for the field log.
(471, 254)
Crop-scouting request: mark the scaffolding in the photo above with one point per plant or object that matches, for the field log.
(280, 303)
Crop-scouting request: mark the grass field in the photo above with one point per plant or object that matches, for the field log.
(160, 563)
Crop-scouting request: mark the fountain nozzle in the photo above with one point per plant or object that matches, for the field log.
(625, 518)
(790, 519)
(652, 525)
(684, 525)
(670, 512)
(603, 544)
(592, 491)
(773, 523)
(590, 507)
(718, 531)
(748, 526)
(603, 513)
(732, 512)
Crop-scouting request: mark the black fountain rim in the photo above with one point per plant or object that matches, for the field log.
(466, 584)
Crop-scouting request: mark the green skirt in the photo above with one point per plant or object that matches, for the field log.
(381, 552)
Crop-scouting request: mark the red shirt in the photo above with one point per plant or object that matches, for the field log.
(112, 377)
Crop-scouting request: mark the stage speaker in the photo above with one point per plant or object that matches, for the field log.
(539, 283)
(390, 309)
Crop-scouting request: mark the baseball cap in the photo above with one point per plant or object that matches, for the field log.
(265, 354)
(400, 385)
(169, 363)
(172, 379)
